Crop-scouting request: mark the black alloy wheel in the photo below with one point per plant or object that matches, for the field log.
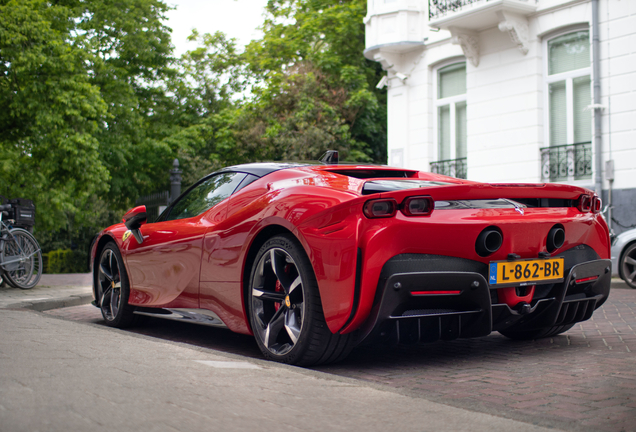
(285, 309)
(112, 288)
(627, 265)
(278, 301)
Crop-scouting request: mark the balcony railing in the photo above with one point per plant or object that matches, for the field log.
(437, 8)
(452, 167)
(566, 162)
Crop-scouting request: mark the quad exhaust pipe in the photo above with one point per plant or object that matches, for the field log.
(489, 241)
(556, 238)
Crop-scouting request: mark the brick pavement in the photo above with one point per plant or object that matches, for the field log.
(585, 378)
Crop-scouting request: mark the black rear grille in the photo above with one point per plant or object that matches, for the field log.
(576, 311)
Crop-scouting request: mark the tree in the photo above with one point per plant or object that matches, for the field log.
(95, 107)
(317, 90)
(204, 93)
(130, 61)
(50, 112)
(83, 87)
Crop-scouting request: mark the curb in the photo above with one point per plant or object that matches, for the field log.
(619, 285)
(52, 303)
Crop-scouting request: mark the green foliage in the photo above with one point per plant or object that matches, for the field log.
(129, 61)
(66, 261)
(318, 91)
(310, 90)
(80, 228)
(95, 107)
(50, 112)
(203, 98)
(83, 90)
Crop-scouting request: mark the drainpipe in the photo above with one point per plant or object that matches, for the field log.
(598, 145)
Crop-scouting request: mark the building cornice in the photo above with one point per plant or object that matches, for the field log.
(557, 7)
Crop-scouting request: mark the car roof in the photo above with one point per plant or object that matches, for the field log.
(261, 169)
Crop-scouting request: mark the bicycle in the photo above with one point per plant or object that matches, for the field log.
(20, 254)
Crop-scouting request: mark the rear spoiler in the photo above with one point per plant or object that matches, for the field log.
(493, 191)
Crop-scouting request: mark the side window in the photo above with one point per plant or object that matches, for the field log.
(249, 178)
(205, 195)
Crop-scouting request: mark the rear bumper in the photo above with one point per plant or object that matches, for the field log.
(457, 301)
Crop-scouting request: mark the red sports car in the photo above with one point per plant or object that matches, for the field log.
(315, 259)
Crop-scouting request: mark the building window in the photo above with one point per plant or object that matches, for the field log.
(568, 87)
(451, 121)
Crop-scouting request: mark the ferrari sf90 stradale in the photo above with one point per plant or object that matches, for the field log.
(315, 259)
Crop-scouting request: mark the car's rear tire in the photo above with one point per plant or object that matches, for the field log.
(285, 308)
(113, 288)
(536, 334)
(627, 265)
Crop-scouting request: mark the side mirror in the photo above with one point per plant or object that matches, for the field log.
(134, 219)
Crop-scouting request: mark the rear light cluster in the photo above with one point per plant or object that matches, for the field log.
(388, 207)
(588, 204)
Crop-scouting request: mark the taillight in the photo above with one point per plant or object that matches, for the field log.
(597, 204)
(380, 208)
(585, 203)
(417, 206)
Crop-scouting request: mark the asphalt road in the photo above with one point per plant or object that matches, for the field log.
(59, 375)
(583, 380)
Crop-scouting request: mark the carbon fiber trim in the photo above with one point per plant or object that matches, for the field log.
(458, 302)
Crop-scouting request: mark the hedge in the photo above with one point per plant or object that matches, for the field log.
(66, 261)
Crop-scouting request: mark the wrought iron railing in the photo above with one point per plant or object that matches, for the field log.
(451, 167)
(155, 204)
(566, 162)
(436, 8)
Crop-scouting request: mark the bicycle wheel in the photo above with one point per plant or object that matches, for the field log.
(21, 259)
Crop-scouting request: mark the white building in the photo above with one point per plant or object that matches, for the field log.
(504, 90)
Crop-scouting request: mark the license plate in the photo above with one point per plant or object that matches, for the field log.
(526, 272)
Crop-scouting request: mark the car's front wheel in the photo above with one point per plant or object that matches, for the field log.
(113, 288)
(628, 265)
(285, 308)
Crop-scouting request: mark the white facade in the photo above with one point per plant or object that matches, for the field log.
(515, 104)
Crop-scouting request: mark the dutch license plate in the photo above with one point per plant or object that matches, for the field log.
(526, 272)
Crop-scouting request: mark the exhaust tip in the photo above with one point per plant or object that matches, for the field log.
(489, 241)
(556, 238)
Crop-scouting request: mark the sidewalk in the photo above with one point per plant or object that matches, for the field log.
(52, 292)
